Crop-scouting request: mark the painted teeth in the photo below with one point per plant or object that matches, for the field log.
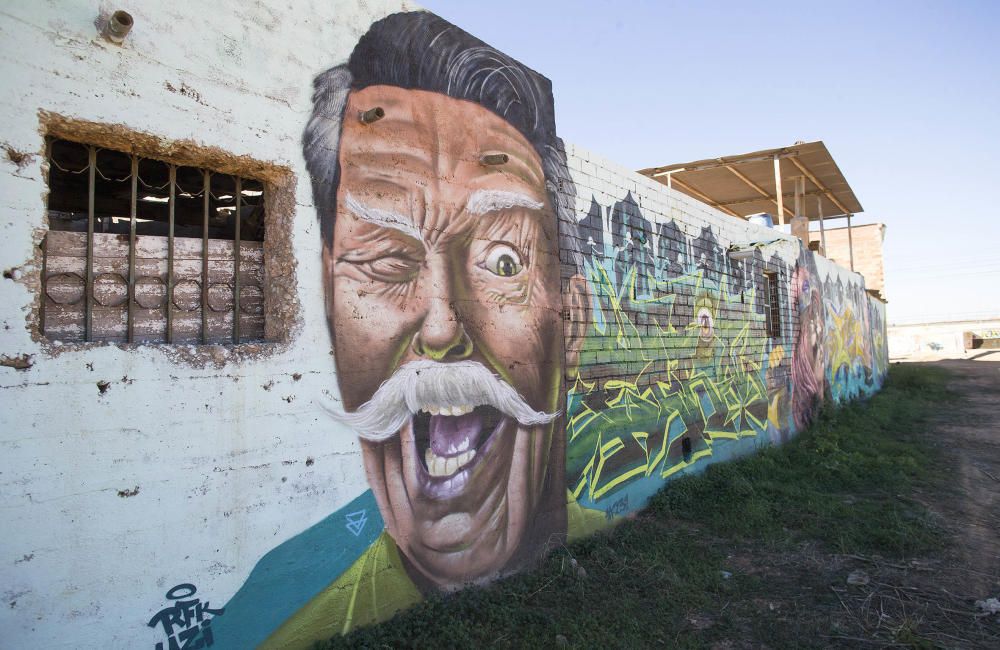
(448, 410)
(438, 466)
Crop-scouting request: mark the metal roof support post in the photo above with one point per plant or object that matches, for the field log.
(850, 240)
(822, 230)
(777, 191)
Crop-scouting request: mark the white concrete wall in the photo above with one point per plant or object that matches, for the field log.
(925, 341)
(218, 461)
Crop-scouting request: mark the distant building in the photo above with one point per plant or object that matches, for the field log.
(867, 241)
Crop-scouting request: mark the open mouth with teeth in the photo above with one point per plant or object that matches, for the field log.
(450, 440)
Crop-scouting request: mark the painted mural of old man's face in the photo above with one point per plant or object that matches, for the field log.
(442, 286)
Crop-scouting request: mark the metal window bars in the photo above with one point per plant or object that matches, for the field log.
(141, 306)
(772, 305)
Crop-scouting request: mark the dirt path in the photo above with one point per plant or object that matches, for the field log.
(932, 601)
(972, 509)
(806, 598)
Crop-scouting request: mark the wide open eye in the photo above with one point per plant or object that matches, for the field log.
(503, 260)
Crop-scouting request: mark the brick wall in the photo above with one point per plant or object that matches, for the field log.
(868, 261)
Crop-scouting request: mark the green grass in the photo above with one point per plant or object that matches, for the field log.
(841, 484)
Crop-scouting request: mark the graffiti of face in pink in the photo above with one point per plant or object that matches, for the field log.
(808, 359)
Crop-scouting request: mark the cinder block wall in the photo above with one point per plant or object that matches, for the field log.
(160, 493)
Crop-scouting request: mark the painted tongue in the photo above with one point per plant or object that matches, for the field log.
(451, 435)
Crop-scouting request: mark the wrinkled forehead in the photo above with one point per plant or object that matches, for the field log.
(434, 140)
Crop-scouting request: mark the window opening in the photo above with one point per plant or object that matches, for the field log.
(140, 250)
(772, 305)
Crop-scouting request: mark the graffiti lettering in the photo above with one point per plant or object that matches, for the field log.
(616, 509)
(678, 366)
(187, 623)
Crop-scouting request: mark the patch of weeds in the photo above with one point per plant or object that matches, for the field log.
(644, 583)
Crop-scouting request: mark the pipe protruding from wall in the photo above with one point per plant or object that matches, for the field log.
(494, 159)
(118, 27)
(371, 115)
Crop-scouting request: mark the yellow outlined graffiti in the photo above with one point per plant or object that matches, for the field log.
(634, 422)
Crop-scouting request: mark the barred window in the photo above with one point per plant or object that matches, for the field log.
(140, 250)
(772, 305)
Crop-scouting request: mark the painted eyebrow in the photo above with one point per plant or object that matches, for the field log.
(486, 201)
(383, 218)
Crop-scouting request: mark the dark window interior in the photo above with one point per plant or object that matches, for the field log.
(69, 180)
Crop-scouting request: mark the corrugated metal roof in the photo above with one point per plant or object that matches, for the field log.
(744, 184)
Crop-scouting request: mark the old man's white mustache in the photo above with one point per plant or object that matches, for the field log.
(422, 384)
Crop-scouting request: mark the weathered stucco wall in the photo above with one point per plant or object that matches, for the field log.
(154, 493)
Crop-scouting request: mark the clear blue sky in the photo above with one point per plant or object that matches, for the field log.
(906, 96)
